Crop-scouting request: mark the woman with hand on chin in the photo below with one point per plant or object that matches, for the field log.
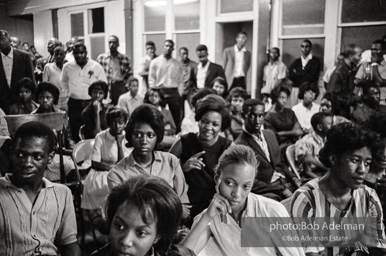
(109, 148)
(217, 230)
(199, 153)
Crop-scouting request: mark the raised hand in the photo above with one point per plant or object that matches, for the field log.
(194, 162)
(97, 106)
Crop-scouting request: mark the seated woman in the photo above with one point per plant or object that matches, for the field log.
(189, 123)
(340, 192)
(306, 108)
(235, 100)
(217, 229)
(281, 120)
(47, 95)
(143, 216)
(327, 104)
(25, 105)
(109, 148)
(220, 85)
(144, 132)
(199, 153)
(94, 115)
(376, 177)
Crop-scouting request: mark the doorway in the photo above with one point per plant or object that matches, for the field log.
(226, 34)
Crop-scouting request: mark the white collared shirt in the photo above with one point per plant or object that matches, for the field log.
(239, 60)
(7, 64)
(306, 60)
(201, 74)
(76, 80)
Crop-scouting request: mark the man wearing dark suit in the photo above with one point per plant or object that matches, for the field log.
(306, 68)
(14, 65)
(205, 72)
(273, 179)
(237, 61)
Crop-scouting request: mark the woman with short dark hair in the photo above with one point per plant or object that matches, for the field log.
(281, 120)
(348, 152)
(199, 152)
(235, 101)
(143, 216)
(144, 132)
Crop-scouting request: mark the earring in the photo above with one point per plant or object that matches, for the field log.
(152, 251)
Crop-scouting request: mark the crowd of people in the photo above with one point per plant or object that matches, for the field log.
(183, 146)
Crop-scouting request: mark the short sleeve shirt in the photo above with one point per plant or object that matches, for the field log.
(42, 227)
(79, 79)
(165, 166)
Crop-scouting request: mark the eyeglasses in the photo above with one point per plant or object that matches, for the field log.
(140, 135)
(305, 46)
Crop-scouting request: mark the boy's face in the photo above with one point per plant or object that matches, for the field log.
(59, 55)
(46, 100)
(30, 158)
(25, 95)
(133, 87)
(97, 94)
(150, 50)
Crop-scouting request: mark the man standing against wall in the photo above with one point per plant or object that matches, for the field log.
(166, 73)
(274, 72)
(42, 62)
(77, 76)
(187, 65)
(304, 69)
(14, 65)
(237, 61)
(206, 71)
(117, 68)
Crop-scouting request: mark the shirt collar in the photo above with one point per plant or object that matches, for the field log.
(309, 57)
(242, 49)
(206, 66)
(6, 181)
(317, 138)
(246, 213)
(10, 54)
(259, 138)
(119, 55)
(130, 162)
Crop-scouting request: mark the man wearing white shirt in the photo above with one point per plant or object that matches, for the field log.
(237, 61)
(166, 73)
(77, 76)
